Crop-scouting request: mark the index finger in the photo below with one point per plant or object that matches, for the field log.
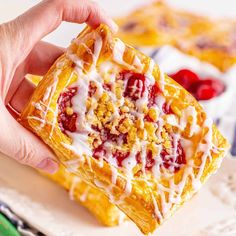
(45, 17)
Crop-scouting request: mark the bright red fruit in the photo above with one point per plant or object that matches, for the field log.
(153, 93)
(135, 86)
(66, 122)
(185, 78)
(120, 156)
(207, 89)
(99, 152)
(205, 92)
(169, 161)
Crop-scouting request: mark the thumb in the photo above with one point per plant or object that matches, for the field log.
(23, 146)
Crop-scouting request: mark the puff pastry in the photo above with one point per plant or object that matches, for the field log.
(114, 119)
(89, 197)
(158, 24)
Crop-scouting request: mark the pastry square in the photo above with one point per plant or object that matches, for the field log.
(158, 24)
(89, 197)
(115, 120)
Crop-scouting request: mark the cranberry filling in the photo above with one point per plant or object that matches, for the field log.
(99, 152)
(92, 89)
(120, 157)
(149, 160)
(135, 84)
(67, 120)
(154, 91)
(201, 89)
(170, 162)
(134, 90)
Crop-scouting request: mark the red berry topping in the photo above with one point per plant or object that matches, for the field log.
(120, 157)
(92, 89)
(154, 91)
(135, 86)
(149, 160)
(67, 122)
(207, 89)
(99, 152)
(185, 78)
(201, 89)
(170, 161)
(205, 92)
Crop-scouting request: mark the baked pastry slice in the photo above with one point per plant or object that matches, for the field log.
(91, 198)
(114, 119)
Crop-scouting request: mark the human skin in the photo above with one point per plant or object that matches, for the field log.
(23, 52)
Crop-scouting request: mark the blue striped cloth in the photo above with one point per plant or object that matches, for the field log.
(22, 227)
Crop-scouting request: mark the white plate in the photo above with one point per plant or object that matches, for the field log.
(212, 212)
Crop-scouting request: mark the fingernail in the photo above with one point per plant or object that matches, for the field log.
(48, 165)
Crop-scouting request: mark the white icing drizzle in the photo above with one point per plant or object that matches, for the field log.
(137, 63)
(119, 50)
(84, 196)
(156, 209)
(74, 183)
(149, 72)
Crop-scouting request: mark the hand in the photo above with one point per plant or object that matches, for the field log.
(22, 52)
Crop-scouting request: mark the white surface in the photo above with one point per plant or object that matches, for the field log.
(47, 206)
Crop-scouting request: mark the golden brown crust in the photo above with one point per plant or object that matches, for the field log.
(91, 198)
(146, 204)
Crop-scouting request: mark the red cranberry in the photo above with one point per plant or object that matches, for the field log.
(107, 87)
(185, 78)
(205, 92)
(167, 109)
(135, 84)
(207, 89)
(99, 152)
(170, 162)
(154, 91)
(66, 122)
(120, 156)
(149, 160)
(92, 89)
